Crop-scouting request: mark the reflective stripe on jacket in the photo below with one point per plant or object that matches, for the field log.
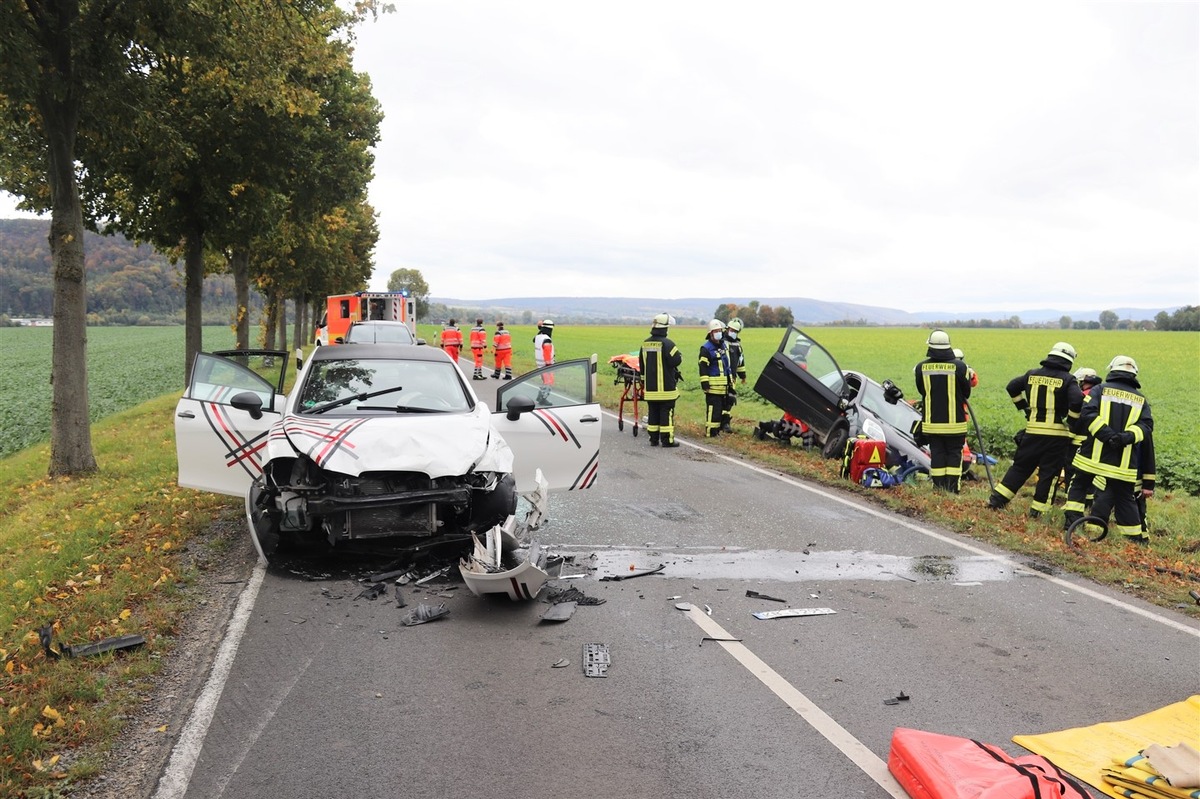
(660, 360)
(502, 340)
(946, 386)
(1113, 408)
(714, 368)
(478, 338)
(1049, 397)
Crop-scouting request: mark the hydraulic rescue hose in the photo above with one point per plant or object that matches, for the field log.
(982, 447)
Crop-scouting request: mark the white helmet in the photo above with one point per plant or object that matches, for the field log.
(1063, 350)
(1123, 363)
(1086, 373)
(663, 320)
(939, 340)
(546, 323)
(716, 324)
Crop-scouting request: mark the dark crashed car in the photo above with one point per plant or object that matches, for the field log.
(804, 380)
(380, 446)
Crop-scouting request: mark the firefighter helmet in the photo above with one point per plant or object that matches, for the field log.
(735, 324)
(1063, 350)
(546, 323)
(939, 340)
(716, 324)
(1123, 363)
(663, 320)
(1086, 374)
(959, 354)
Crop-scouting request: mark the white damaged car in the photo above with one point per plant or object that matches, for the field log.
(378, 446)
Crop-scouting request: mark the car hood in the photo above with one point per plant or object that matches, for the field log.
(435, 444)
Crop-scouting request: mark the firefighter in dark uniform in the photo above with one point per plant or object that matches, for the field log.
(660, 361)
(714, 377)
(1050, 398)
(944, 385)
(1119, 447)
(737, 370)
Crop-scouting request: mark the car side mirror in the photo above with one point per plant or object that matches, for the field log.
(843, 403)
(249, 402)
(420, 342)
(340, 340)
(517, 406)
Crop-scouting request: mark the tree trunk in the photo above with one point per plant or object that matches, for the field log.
(239, 264)
(298, 325)
(70, 429)
(270, 325)
(282, 321)
(193, 295)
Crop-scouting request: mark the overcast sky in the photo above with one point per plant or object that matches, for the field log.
(913, 155)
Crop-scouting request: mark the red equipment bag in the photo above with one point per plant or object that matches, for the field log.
(933, 766)
(863, 453)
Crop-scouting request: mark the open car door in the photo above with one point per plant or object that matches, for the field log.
(803, 379)
(551, 420)
(221, 422)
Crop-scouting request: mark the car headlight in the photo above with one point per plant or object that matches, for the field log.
(873, 430)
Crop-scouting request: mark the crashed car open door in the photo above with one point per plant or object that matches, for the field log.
(551, 420)
(221, 447)
(554, 424)
(803, 379)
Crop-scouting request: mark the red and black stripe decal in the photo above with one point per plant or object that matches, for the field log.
(587, 477)
(556, 426)
(326, 439)
(239, 450)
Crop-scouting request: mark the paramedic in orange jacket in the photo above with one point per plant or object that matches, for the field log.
(452, 340)
(478, 345)
(502, 346)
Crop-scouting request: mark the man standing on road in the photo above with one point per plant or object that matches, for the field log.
(452, 340)
(660, 361)
(714, 377)
(737, 370)
(502, 348)
(478, 345)
(945, 386)
(543, 355)
(1050, 398)
(1119, 447)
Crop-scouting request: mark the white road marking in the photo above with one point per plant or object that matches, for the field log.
(819, 720)
(175, 778)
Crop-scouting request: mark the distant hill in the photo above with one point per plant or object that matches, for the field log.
(805, 310)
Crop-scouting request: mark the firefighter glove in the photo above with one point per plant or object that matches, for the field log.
(1126, 438)
(1106, 435)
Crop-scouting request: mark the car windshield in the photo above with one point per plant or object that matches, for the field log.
(382, 385)
(379, 334)
(900, 415)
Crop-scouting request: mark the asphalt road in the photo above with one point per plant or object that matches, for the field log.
(319, 693)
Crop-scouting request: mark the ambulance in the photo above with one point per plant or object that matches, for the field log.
(343, 309)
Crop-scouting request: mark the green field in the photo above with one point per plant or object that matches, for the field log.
(130, 365)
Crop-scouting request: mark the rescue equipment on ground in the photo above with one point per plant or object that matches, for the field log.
(629, 373)
(933, 766)
(863, 453)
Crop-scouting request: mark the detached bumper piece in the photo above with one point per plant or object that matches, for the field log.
(114, 644)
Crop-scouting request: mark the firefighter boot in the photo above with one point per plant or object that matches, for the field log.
(654, 439)
(669, 441)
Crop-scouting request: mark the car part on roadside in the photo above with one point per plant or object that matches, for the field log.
(781, 614)
(571, 594)
(615, 577)
(372, 591)
(114, 644)
(560, 611)
(895, 700)
(596, 660)
(720, 640)
(423, 613)
(756, 595)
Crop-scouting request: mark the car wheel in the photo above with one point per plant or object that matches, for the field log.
(835, 445)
